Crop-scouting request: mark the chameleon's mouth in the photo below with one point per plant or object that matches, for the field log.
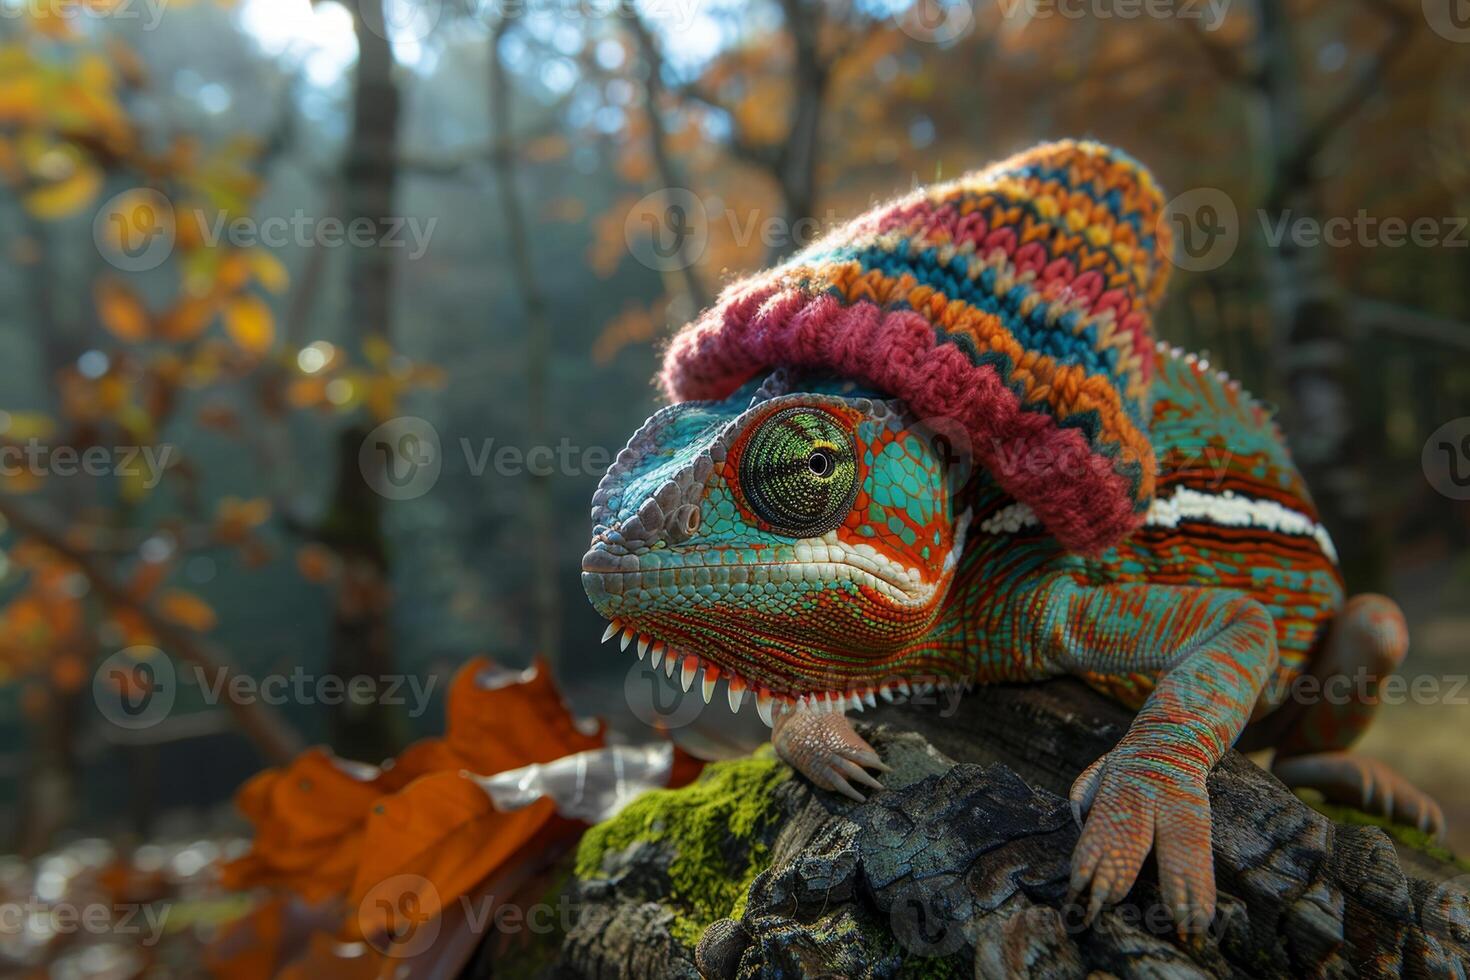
(904, 588)
(691, 667)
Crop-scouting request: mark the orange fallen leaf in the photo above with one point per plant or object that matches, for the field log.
(432, 842)
(250, 946)
(496, 719)
(308, 820)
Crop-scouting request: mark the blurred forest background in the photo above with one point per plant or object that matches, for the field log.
(548, 189)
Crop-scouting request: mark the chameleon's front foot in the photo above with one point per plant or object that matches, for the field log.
(1137, 801)
(823, 747)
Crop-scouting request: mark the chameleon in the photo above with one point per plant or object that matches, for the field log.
(940, 447)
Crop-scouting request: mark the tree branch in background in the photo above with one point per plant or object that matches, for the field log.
(1229, 63)
(658, 142)
(276, 739)
(1378, 316)
(1295, 167)
(545, 601)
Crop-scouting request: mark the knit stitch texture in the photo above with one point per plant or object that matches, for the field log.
(1016, 301)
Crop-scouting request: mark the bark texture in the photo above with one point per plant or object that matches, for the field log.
(960, 868)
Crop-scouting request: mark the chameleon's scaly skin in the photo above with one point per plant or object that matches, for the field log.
(1201, 618)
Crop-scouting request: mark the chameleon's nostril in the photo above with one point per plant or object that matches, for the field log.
(683, 523)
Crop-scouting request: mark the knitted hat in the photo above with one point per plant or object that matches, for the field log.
(1016, 301)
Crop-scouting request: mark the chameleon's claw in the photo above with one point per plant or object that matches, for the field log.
(824, 748)
(856, 773)
(834, 782)
(1135, 806)
(1364, 784)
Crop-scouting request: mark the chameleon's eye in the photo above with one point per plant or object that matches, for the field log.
(799, 472)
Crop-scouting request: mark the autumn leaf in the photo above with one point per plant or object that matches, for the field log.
(120, 311)
(249, 323)
(234, 272)
(439, 838)
(65, 196)
(316, 563)
(497, 719)
(146, 579)
(249, 946)
(187, 319)
(269, 271)
(19, 426)
(187, 609)
(308, 820)
(68, 673)
(376, 350)
(307, 392)
(20, 98)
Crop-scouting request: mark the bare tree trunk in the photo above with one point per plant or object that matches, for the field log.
(545, 598)
(1314, 350)
(361, 638)
(796, 166)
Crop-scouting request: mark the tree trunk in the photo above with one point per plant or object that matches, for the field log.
(796, 164)
(545, 597)
(960, 867)
(361, 643)
(1314, 358)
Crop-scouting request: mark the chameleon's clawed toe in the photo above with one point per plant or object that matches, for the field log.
(825, 749)
(1132, 808)
(1364, 784)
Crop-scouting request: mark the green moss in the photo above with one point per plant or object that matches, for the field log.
(1411, 837)
(717, 828)
(916, 967)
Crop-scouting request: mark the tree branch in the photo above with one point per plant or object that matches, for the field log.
(1376, 315)
(1297, 163)
(659, 146)
(1227, 60)
(277, 740)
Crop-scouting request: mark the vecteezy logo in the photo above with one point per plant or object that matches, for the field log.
(1446, 459)
(1205, 227)
(949, 441)
(1450, 19)
(399, 916)
(135, 688)
(928, 916)
(135, 231)
(402, 458)
(937, 21)
(667, 230)
(657, 701)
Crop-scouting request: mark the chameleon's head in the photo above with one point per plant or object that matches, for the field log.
(797, 543)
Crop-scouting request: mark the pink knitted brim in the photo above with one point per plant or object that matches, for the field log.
(1077, 495)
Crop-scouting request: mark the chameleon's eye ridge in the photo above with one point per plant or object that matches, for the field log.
(799, 472)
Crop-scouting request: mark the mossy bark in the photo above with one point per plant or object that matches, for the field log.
(959, 867)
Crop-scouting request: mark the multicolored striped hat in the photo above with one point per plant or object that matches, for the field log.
(1016, 301)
